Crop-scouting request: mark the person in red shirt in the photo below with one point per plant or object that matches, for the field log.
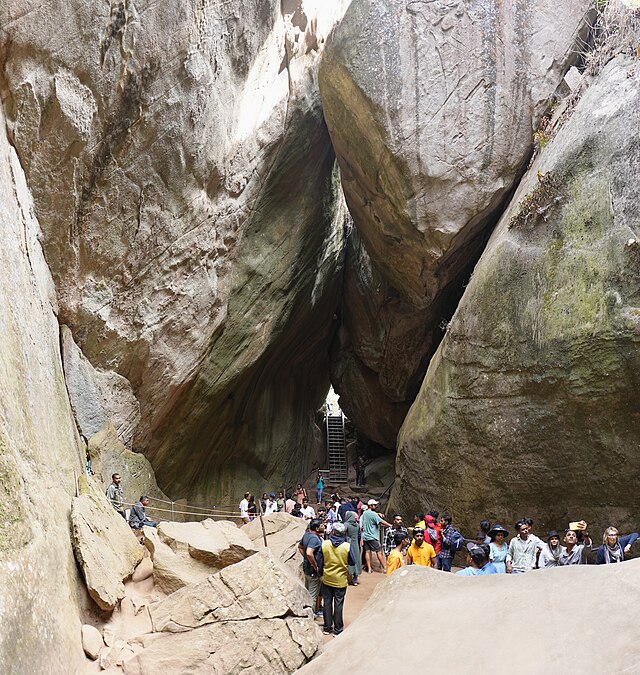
(433, 531)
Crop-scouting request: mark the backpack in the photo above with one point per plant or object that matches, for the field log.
(457, 542)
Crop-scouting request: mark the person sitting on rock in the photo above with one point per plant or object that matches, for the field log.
(614, 546)
(420, 553)
(336, 558)
(138, 518)
(395, 559)
(115, 494)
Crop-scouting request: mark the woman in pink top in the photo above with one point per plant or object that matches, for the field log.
(300, 493)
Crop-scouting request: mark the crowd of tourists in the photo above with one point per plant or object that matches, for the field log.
(344, 537)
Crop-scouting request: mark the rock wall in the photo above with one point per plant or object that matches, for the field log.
(431, 108)
(39, 450)
(184, 180)
(531, 404)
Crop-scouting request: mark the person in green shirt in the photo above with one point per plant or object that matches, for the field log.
(371, 535)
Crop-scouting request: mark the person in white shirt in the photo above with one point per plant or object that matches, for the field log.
(271, 505)
(244, 508)
(307, 511)
(523, 550)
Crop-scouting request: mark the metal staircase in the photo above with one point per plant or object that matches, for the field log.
(336, 448)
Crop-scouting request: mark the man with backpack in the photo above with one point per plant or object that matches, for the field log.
(452, 541)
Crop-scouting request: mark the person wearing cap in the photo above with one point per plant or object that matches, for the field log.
(476, 560)
(420, 552)
(336, 558)
(244, 507)
(498, 549)
(389, 537)
(551, 553)
(572, 552)
(371, 535)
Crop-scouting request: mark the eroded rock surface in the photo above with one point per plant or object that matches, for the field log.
(184, 180)
(252, 615)
(105, 547)
(283, 532)
(431, 108)
(538, 372)
(187, 553)
(467, 606)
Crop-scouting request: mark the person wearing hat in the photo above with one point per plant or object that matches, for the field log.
(420, 552)
(498, 549)
(551, 553)
(476, 560)
(371, 522)
(244, 507)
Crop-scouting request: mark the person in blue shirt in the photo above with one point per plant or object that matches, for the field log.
(477, 561)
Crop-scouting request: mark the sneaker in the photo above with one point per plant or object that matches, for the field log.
(327, 631)
(318, 613)
(337, 632)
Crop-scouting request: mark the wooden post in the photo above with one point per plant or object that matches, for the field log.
(264, 533)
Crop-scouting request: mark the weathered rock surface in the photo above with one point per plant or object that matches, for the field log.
(92, 641)
(39, 448)
(105, 547)
(109, 455)
(252, 616)
(187, 553)
(431, 108)
(466, 606)
(283, 531)
(191, 217)
(538, 373)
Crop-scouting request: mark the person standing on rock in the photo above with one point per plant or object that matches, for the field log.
(371, 522)
(389, 537)
(336, 558)
(138, 518)
(244, 507)
(115, 494)
(310, 547)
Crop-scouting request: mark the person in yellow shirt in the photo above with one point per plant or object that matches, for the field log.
(395, 559)
(420, 553)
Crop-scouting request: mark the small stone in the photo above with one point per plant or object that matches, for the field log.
(91, 641)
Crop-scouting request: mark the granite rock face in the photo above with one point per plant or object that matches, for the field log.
(539, 371)
(283, 532)
(40, 596)
(106, 549)
(186, 553)
(251, 616)
(431, 108)
(191, 217)
(467, 607)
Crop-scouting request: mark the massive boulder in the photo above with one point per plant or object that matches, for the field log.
(431, 108)
(252, 616)
(192, 219)
(40, 596)
(187, 553)
(106, 549)
(483, 616)
(283, 532)
(530, 405)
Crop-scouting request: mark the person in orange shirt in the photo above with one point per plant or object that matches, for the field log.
(420, 553)
(395, 560)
